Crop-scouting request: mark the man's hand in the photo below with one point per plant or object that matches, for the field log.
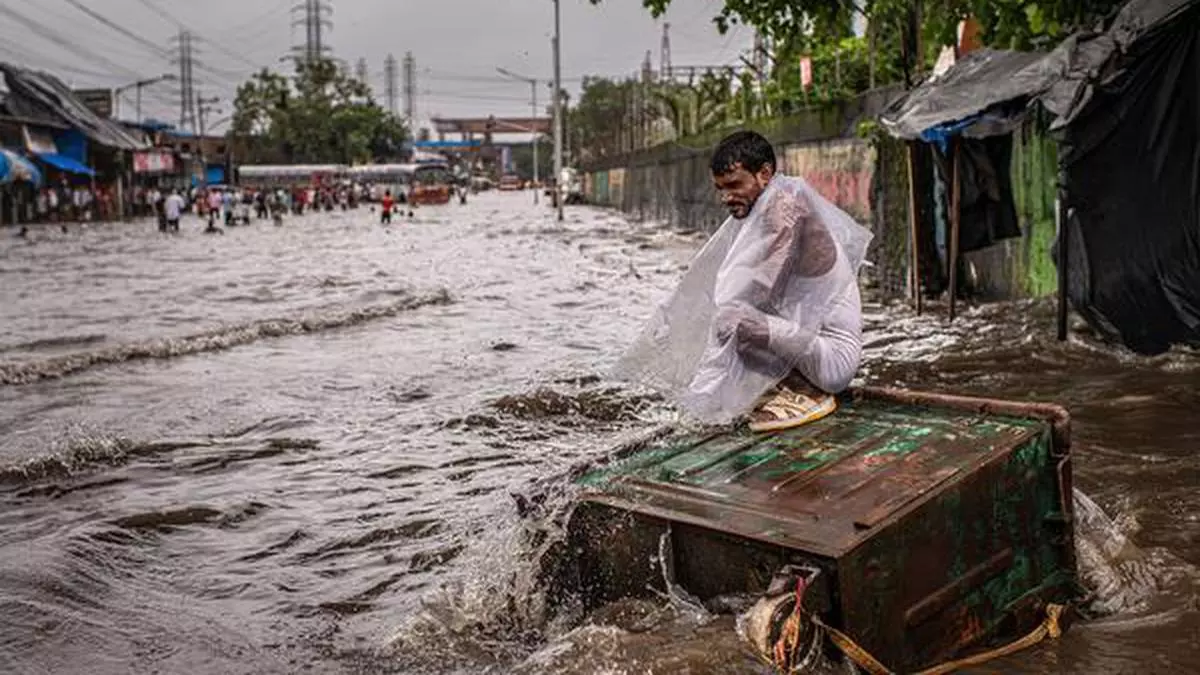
(745, 325)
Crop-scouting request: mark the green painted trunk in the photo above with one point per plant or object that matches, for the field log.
(938, 523)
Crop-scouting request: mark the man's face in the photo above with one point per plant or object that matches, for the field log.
(739, 188)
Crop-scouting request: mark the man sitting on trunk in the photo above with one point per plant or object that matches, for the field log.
(767, 320)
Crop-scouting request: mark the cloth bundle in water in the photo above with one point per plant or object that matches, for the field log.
(751, 302)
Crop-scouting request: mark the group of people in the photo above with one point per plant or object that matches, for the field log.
(233, 205)
(64, 203)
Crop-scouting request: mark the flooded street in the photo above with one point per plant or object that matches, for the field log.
(293, 449)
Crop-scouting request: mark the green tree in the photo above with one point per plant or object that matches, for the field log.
(320, 115)
(522, 158)
(907, 34)
(600, 120)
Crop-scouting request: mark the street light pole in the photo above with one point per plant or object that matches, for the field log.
(139, 85)
(536, 188)
(533, 83)
(558, 116)
(205, 106)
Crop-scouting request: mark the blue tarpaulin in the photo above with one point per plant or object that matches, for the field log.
(64, 163)
(72, 143)
(942, 133)
(14, 167)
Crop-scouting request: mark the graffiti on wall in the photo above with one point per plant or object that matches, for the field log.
(841, 170)
(616, 187)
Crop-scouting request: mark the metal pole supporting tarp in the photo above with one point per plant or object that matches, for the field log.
(1060, 225)
(955, 218)
(914, 256)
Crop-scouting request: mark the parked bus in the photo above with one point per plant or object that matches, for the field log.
(431, 183)
(285, 175)
(394, 178)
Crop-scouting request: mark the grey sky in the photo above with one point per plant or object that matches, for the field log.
(457, 44)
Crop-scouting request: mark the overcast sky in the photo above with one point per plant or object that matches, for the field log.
(457, 44)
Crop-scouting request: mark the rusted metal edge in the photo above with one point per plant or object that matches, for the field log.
(939, 600)
(812, 547)
(1057, 415)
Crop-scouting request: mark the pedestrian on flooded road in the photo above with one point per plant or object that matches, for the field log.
(386, 206)
(172, 209)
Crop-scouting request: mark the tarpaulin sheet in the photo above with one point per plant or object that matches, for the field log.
(1130, 152)
(14, 167)
(998, 81)
(64, 163)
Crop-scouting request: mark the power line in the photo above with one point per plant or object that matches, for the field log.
(57, 38)
(157, 50)
(172, 19)
(470, 97)
(161, 12)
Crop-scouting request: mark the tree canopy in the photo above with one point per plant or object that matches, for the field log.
(319, 115)
(1017, 24)
(903, 39)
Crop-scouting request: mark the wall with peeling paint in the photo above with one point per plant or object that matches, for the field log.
(869, 180)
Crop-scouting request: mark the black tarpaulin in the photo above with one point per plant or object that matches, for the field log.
(1129, 137)
(991, 81)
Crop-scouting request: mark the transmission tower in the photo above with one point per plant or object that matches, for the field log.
(759, 60)
(389, 83)
(316, 20)
(185, 56)
(410, 88)
(664, 57)
(360, 70)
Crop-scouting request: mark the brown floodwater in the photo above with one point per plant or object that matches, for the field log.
(295, 449)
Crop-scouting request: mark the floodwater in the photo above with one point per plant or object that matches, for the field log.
(295, 449)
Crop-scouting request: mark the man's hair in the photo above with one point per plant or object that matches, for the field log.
(747, 148)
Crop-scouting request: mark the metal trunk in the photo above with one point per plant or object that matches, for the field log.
(938, 523)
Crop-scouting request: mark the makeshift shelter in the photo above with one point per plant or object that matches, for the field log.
(968, 114)
(1127, 110)
(37, 94)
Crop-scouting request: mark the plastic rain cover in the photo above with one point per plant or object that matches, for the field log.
(779, 269)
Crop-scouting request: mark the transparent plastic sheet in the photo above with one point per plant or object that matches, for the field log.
(772, 275)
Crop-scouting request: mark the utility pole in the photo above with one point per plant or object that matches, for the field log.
(389, 83)
(410, 88)
(644, 110)
(664, 57)
(360, 70)
(760, 68)
(558, 111)
(533, 83)
(534, 111)
(207, 106)
(186, 58)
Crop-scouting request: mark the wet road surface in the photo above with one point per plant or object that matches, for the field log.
(292, 449)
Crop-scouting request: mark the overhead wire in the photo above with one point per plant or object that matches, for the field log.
(150, 46)
(51, 35)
